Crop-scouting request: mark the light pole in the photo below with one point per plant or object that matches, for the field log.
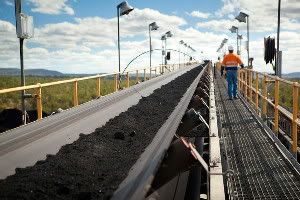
(122, 9)
(185, 45)
(243, 17)
(240, 37)
(152, 27)
(181, 42)
(278, 59)
(235, 29)
(163, 38)
(167, 35)
(24, 30)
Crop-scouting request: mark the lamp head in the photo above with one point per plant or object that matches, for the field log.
(242, 17)
(169, 34)
(125, 8)
(153, 26)
(233, 29)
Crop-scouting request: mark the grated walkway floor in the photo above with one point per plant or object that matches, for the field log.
(260, 170)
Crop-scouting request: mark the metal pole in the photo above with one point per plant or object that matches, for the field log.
(18, 9)
(22, 81)
(248, 38)
(237, 41)
(278, 32)
(150, 46)
(166, 51)
(118, 14)
(179, 56)
(162, 53)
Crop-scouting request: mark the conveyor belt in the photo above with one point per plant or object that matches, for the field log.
(260, 170)
(25, 145)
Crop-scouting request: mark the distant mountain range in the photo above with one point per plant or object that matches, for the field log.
(292, 75)
(35, 72)
(45, 72)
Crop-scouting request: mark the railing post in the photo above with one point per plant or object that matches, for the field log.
(250, 84)
(75, 93)
(264, 108)
(276, 101)
(115, 82)
(98, 85)
(294, 123)
(39, 104)
(155, 71)
(239, 80)
(256, 91)
(150, 73)
(246, 85)
(144, 74)
(127, 79)
(137, 75)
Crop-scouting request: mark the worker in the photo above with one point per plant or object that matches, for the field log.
(230, 63)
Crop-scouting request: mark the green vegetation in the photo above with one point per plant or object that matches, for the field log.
(53, 97)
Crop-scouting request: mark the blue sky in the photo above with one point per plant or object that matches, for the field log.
(80, 35)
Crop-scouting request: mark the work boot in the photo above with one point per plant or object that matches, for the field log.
(236, 97)
(230, 98)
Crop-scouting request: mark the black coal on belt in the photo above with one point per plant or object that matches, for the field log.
(93, 166)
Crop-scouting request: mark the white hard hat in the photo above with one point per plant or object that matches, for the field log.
(230, 48)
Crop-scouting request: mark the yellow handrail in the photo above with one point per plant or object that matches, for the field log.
(245, 79)
(38, 87)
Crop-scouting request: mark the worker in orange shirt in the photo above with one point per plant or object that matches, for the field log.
(231, 62)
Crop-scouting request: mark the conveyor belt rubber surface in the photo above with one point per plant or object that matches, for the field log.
(260, 170)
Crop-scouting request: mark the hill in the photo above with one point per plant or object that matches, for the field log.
(29, 72)
(292, 75)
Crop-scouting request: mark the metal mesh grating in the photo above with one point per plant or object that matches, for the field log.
(260, 170)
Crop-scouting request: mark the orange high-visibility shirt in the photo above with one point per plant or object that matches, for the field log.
(231, 60)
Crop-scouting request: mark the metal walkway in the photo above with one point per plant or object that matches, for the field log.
(260, 170)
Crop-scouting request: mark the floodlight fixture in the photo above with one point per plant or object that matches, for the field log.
(124, 8)
(242, 17)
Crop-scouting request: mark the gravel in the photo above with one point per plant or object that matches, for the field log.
(93, 166)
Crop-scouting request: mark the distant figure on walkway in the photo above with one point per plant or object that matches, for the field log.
(231, 62)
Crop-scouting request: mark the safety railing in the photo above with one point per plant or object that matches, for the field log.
(266, 93)
(139, 75)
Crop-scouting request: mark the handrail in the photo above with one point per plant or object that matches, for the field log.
(98, 77)
(246, 79)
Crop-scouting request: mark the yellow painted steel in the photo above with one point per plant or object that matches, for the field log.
(276, 102)
(295, 116)
(239, 79)
(127, 80)
(250, 84)
(39, 104)
(75, 93)
(98, 87)
(264, 85)
(256, 91)
(246, 85)
(115, 82)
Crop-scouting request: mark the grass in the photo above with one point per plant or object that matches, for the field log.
(53, 97)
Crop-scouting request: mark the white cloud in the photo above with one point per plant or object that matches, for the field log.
(53, 7)
(217, 25)
(9, 2)
(199, 14)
